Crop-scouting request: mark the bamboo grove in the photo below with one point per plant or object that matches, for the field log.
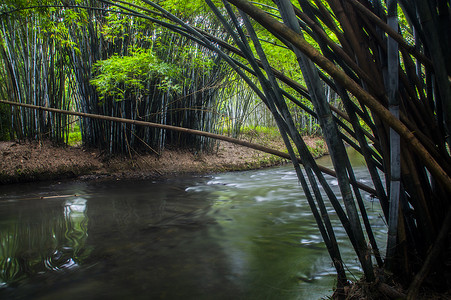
(390, 67)
(98, 61)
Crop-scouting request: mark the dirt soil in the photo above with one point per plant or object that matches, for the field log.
(35, 161)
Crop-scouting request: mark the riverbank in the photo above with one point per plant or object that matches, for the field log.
(25, 161)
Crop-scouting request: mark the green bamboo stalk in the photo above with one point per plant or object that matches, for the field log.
(395, 143)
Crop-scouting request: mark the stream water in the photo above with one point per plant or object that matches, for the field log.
(240, 235)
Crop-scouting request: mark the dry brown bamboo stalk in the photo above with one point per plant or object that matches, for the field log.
(352, 31)
(339, 51)
(424, 219)
(185, 130)
(396, 36)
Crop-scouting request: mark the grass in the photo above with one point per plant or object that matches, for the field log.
(74, 138)
(318, 149)
(270, 136)
(271, 132)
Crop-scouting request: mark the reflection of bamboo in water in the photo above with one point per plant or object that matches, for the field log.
(8, 264)
(76, 223)
(48, 239)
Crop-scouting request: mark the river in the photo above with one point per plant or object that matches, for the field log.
(238, 235)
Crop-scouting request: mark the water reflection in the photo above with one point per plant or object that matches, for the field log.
(40, 236)
(245, 235)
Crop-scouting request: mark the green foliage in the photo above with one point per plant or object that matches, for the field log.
(74, 137)
(405, 28)
(270, 132)
(319, 149)
(119, 74)
(187, 8)
(118, 27)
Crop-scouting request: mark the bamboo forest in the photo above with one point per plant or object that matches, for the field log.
(369, 77)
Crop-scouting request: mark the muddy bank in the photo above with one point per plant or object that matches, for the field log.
(24, 161)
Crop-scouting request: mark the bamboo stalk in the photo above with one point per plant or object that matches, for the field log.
(392, 32)
(432, 257)
(185, 130)
(339, 157)
(377, 108)
(395, 143)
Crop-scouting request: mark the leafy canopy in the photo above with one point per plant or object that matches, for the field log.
(119, 74)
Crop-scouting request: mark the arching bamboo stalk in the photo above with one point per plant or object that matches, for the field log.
(361, 63)
(284, 31)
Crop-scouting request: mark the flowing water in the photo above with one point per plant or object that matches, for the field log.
(240, 235)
